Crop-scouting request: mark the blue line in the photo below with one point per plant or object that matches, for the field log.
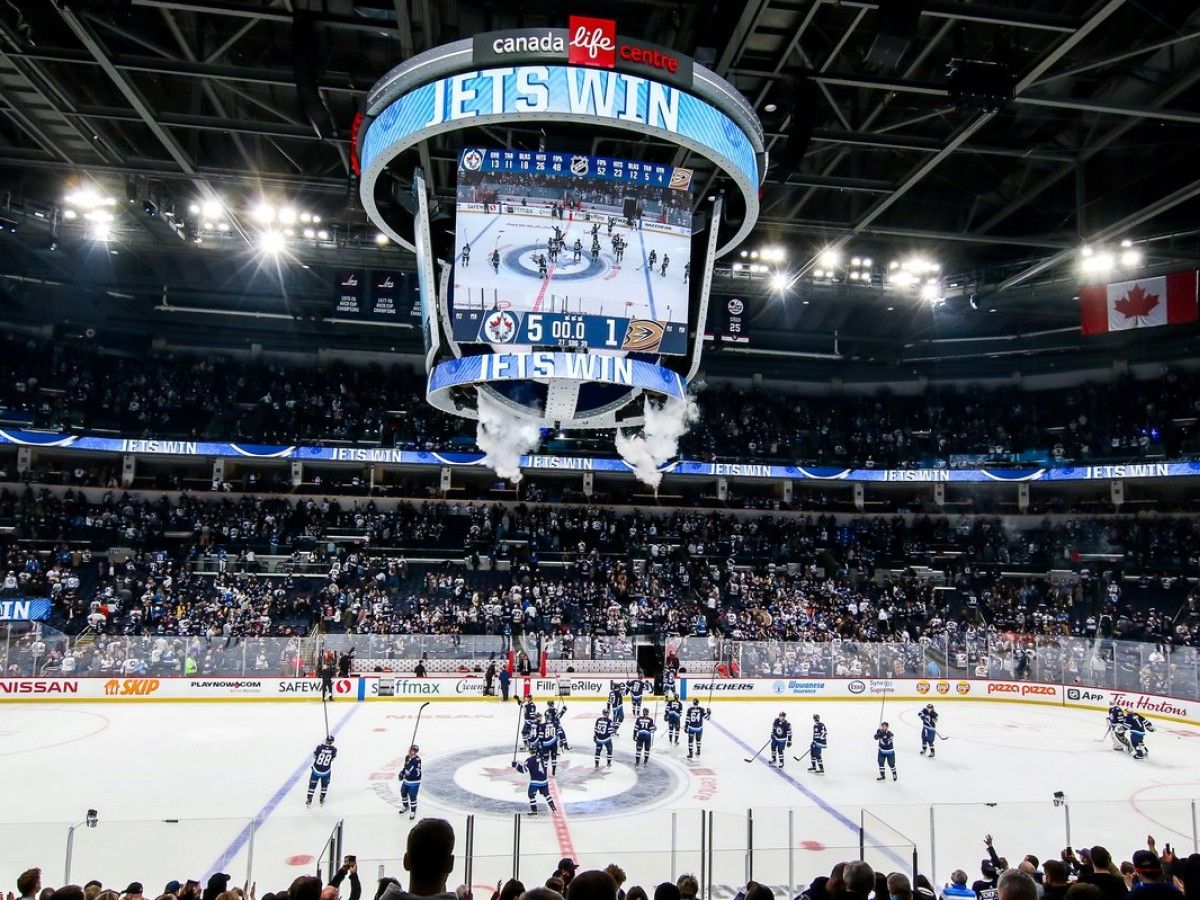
(814, 797)
(263, 814)
(646, 271)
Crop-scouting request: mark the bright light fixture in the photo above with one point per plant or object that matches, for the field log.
(271, 242)
(931, 291)
(780, 282)
(211, 208)
(867, 261)
(263, 213)
(101, 231)
(830, 257)
(309, 233)
(322, 235)
(287, 215)
(1127, 243)
(194, 209)
(1131, 258)
(381, 239)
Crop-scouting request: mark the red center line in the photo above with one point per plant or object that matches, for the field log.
(541, 295)
(562, 831)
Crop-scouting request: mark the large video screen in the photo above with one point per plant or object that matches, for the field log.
(555, 249)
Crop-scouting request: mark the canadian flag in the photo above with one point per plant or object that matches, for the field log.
(1141, 303)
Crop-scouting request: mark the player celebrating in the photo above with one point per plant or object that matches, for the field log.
(555, 714)
(643, 728)
(666, 261)
(1138, 725)
(781, 737)
(816, 750)
(696, 715)
(496, 261)
(887, 750)
(529, 728)
(322, 768)
(466, 254)
(616, 702)
(547, 741)
(673, 715)
(603, 734)
(410, 782)
(929, 720)
(535, 768)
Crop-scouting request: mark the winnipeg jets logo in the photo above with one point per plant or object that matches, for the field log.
(351, 280)
(387, 282)
(500, 327)
(736, 307)
(579, 165)
(472, 160)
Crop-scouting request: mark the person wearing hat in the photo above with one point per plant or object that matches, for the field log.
(216, 886)
(1151, 883)
(134, 891)
(566, 871)
(172, 887)
(410, 782)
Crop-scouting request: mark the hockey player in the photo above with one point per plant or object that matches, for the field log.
(636, 687)
(322, 768)
(696, 715)
(535, 768)
(595, 247)
(1138, 725)
(529, 715)
(668, 679)
(1118, 729)
(466, 254)
(555, 714)
(603, 734)
(781, 738)
(595, 230)
(652, 260)
(687, 271)
(887, 750)
(673, 714)
(542, 267)
(410, 782)
(610, 224)
(665, 262)
(547, 742)
(552, 247)
(616, 702)
(816, 750)
(496, 261)
(577, 249)
(929, 720)
(643, 728)
(619, 249)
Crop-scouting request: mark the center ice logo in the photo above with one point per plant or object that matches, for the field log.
(500, 327)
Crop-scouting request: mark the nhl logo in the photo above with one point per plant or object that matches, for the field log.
(500, 327)
(472, 160)
(736, 307)
(579, 165)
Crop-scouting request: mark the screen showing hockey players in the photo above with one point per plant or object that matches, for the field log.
(555, 249)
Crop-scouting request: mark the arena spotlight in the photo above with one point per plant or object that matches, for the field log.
(381, 239)
(101, 231)
(780, 282)
(211, 208)
(271, 242)
(1131, 258)
(263, 213)
(830, 257)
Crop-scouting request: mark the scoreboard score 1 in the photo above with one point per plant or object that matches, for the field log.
(568, 330)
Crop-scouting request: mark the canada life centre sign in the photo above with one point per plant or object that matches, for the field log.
(583, 74)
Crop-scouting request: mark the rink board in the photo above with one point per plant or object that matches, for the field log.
(366, 687)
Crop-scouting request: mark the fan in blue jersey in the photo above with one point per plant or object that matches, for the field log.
(929, 721)
(673, 715)
(1138, 725)
(322, 768)
(603, 735)
(555, 714)
(816, 750)
(781, 738)
(529, 715)
(535, 768)
(887, 750)
(643, 728)
(616, 702)
(546, 739)
(694, 724)
(636, 688)
(410, 782)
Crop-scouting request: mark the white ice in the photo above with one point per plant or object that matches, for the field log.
(177, 785)
(625, 290)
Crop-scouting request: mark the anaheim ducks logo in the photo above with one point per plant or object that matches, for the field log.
(643, 336)
(681, 179)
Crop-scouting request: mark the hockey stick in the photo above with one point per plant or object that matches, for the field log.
(759, 753)
(941, 737)
(325, 709)
(1106, 733)
(800, 758)
(417, 724)
(517, 736)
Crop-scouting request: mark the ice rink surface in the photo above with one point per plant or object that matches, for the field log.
(598, 286)
(220, 787)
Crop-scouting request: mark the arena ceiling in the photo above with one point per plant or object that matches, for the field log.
(170, 102)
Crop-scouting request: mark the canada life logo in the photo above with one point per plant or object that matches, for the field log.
(593, 42)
